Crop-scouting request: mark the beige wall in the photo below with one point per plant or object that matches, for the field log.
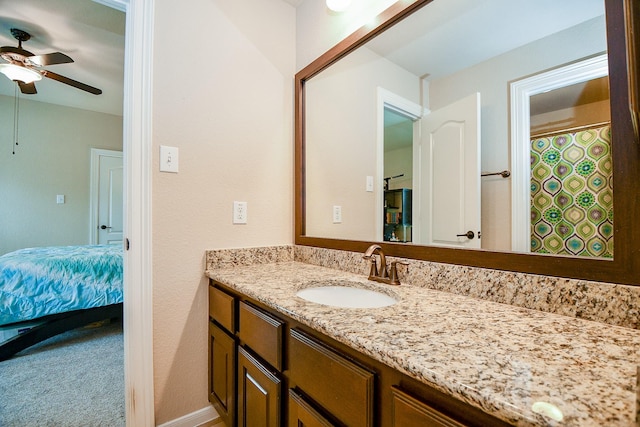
(568, 118)
(341, 134)
(399, 162)
(53, 157)
(230, 113)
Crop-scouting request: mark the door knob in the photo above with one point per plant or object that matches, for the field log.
(469, 235)
(104, 227)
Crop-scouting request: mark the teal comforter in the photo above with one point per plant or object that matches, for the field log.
(36, 282)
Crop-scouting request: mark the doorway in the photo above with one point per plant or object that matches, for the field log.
(63, 203)
(398, 176)
(401, 114)
(521, 92)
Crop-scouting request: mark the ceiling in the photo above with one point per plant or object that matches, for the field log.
(447, 36)
(93, 35)
(90, 33)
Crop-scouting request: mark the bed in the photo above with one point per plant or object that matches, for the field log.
(49, 290)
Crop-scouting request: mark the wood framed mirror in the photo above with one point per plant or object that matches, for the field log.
(621, 22)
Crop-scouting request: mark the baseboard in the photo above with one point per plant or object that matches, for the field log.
(207, 416)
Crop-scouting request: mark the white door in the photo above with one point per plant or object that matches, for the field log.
(450, 175)
(107, 201)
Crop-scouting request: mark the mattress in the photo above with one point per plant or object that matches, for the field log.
(37, 282)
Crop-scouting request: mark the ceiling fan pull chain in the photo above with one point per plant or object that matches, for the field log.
(16, 111)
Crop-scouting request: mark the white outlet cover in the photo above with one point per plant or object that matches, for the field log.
(337, 214)
(239, 212)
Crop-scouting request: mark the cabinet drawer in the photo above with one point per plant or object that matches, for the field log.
(409, 411)
(341, 387)
(222, 308)
(302, 414)
(263, 333)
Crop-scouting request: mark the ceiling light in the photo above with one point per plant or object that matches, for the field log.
(20, 73)
(338, 5)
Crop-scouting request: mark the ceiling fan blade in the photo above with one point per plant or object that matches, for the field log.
(50, 59)
(27, 88)
(71, 82)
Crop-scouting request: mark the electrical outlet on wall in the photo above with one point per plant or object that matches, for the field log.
(239, 212)
(337, 214)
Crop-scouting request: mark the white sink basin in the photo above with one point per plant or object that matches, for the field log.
(337, 295)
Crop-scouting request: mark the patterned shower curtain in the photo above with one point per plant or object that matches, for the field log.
(572, 193)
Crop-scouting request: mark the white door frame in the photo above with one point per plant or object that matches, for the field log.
(521, 91)
(137, 142)
(388, 99)
(94, 192)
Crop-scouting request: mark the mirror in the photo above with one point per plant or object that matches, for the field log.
(347, 91)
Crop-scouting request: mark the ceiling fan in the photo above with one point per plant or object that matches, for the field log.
(25, 68)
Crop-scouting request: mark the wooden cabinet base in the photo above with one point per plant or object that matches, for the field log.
(327, 382)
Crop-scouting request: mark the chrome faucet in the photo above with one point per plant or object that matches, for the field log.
(382, 275)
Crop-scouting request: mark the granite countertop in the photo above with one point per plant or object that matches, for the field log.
(502, 359)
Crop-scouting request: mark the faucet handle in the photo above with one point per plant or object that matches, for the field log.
(373, 270)
(393, 274)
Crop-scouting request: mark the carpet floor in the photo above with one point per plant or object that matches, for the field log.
(75, 379)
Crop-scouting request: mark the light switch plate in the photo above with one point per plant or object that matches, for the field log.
(60, 199)
(369, 186)
(168, 159)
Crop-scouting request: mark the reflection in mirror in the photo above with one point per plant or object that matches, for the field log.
(398, 176)
(442, 59)
(562, 146)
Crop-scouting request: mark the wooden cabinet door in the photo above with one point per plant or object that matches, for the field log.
(259, 393)
(302, 414)
(222, 373)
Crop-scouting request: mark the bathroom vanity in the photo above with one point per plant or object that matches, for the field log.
(273, 368)
(432, 358)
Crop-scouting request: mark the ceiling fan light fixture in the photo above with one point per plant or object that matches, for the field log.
(20, 73)
(338, 5)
